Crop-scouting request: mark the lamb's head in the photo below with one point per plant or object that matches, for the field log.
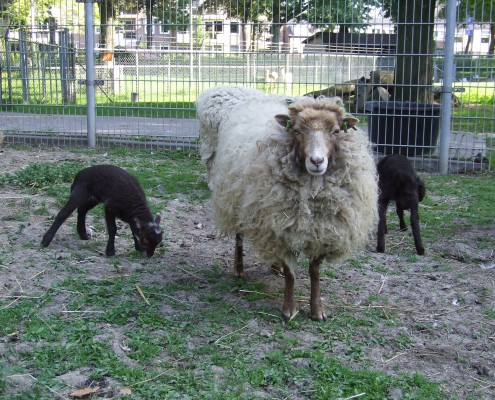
(147, 235)
(316, 127)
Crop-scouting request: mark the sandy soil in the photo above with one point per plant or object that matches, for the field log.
(439, 300)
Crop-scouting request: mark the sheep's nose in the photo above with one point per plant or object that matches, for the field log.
(317, 161)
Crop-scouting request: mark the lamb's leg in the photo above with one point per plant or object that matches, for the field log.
(289, 308)
(382, 225)
(400, 214)
(135, 236)
(415, 230)
(112, 231)
(77, 196)
(81, 218)
(316, 311)
(238, 260)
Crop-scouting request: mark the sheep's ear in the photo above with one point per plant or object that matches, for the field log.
(350, 121)
(421, 189)
(284, 120)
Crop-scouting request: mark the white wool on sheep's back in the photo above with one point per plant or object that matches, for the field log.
(259, 189)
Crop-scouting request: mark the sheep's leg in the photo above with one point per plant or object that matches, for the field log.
(81, 218)
(382, 225)
(400, 213)
(289, 308)
(415, 230)
(112, 231)
(316, 311)
(73, 202)
(135, 236)
(238, 260)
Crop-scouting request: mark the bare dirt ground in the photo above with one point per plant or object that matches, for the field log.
(439, 301)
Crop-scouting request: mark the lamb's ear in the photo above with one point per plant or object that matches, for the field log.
(138, 223)
(421, 189)
(284, 121)
(158, 218)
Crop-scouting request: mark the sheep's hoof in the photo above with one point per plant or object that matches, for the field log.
(289, 315)
(320, 317)
(288, 318)
(420, 251)
(380, 249)
(84, 236)
(110, 253)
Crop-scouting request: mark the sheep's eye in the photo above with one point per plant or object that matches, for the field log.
(336, 131)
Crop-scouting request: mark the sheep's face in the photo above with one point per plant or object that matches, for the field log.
(148, 235)
(315, 129)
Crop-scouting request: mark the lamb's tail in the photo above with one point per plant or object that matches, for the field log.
(212, 107)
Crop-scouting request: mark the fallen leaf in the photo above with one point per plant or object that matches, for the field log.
(125, 391)
(84, 392)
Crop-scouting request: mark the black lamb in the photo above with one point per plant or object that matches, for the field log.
(122, 197)
(398, 182)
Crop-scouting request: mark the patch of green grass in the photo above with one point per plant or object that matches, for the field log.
(490, 313)
(490, 151)
(456, 202)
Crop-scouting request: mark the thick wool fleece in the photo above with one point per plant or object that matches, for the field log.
(260, 190)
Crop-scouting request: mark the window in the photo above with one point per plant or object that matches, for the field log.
(164, 29)
(214, 26)
(234, 27)
(218, 26)
(485, 40)
(129, 30)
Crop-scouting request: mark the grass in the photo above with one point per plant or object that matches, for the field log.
(189, 342)
(454, 203)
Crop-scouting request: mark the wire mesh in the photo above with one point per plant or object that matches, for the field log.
(153, 58)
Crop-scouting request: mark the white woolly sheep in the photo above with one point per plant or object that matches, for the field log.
(289, 175)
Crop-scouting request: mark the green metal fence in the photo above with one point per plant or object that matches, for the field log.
(152, 58)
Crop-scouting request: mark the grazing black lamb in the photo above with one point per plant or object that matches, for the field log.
(122, 197)
(398, 182)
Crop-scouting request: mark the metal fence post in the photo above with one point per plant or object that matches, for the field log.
(24, 59)
(447, 90)
(89, 43)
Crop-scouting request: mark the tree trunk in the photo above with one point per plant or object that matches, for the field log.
(149, 29)
(276, 25)
(107, 13)
(107, 28)
(246, 36)
(491, 47)
(468, 44)
(415, 47)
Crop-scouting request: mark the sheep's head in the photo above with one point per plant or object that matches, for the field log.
(147, 235)
(316, 127)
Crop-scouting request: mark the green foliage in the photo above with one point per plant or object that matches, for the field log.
(42, 175)
(456, 202)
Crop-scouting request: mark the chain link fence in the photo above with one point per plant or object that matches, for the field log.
(147, 81)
